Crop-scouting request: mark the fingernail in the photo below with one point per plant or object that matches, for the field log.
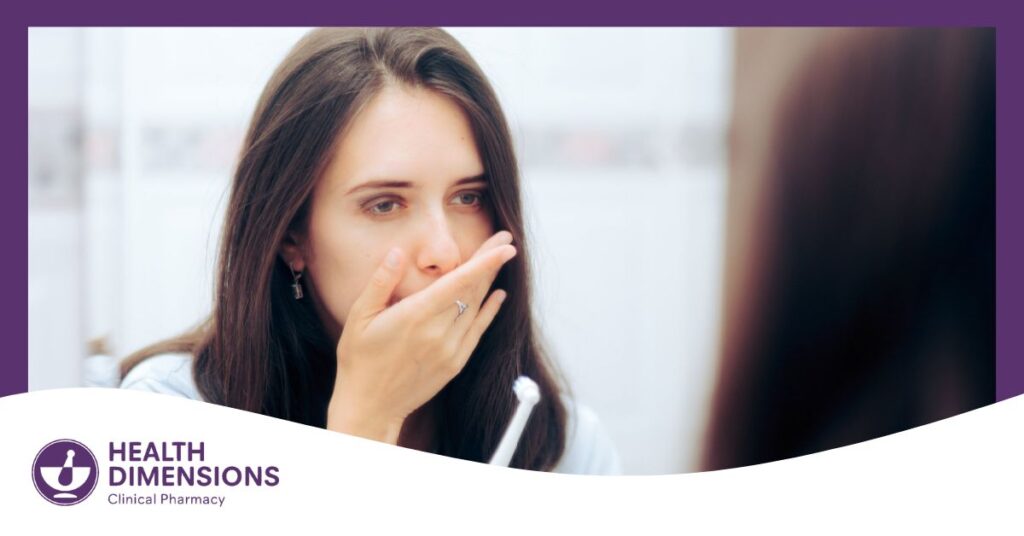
(502, 296)
(392, 258)
(506, 237)
(509, 253)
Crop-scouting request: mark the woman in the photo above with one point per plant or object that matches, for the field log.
(374, 208)
(861, 295)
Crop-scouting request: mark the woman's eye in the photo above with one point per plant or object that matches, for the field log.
(383, 207)
(469, 198)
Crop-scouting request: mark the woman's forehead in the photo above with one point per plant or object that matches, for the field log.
(404, 134)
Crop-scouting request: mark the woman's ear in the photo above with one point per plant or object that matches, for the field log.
(292, 251)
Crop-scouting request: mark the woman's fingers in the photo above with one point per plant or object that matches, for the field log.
(375, 296)
(500, 238)
(389, 367)
(474, 298)
(466, 284)
(488, 311)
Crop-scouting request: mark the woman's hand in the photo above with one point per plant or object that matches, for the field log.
(392, 360)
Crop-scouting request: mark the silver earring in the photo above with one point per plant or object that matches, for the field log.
(296, 286)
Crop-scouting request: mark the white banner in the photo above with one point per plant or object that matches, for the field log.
(164, 465)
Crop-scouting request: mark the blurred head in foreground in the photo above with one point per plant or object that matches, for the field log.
(860, 289)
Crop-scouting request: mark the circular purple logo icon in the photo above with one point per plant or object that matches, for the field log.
(65, 472)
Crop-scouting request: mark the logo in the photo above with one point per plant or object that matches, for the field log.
(65, 472)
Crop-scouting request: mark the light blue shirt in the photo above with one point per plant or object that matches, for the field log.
(588, 449)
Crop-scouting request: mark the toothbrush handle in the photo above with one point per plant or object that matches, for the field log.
(510, 440)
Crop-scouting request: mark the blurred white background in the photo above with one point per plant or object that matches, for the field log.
(620, 132)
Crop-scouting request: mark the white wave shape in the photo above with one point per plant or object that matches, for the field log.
(962, 475)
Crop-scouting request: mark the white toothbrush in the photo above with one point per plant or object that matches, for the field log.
(528, 394)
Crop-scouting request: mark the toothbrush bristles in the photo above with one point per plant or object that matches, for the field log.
(526, 390)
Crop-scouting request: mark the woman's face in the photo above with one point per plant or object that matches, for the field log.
(405, 173)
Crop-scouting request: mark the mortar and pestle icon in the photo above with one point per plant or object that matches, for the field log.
(66, 478)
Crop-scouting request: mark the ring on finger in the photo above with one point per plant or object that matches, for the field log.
(462, 308)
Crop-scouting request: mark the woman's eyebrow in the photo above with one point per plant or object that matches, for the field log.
(368, 185)
(470, 180)
(377, 184)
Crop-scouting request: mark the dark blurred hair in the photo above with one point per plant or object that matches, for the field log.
(868, 303)
(263, 351)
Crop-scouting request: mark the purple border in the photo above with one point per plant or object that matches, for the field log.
(1010, 193)
(1009, 196)
(519, 13)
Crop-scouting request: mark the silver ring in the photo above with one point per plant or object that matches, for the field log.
(462, 308)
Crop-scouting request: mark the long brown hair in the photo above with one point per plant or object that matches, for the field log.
(865, 299)
(263, 351)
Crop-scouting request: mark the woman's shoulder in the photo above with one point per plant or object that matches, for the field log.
(163, 373)
(589, 449)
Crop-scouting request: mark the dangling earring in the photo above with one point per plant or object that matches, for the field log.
(296, 286)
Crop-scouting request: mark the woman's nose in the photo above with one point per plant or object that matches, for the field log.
(438, 251)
